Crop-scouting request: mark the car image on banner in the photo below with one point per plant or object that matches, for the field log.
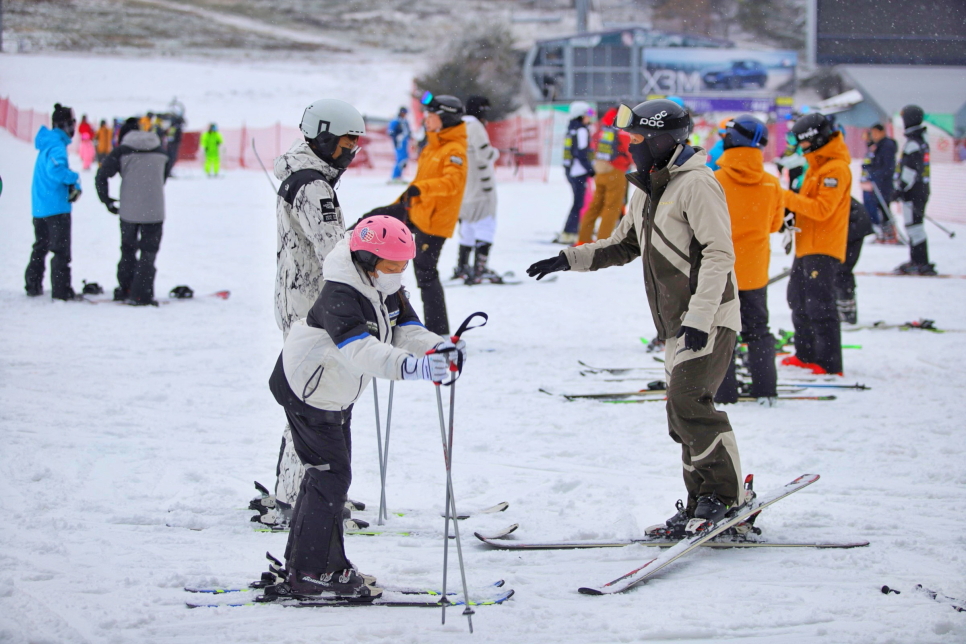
(682, 71)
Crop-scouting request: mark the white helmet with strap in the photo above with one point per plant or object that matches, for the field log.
(332, 116)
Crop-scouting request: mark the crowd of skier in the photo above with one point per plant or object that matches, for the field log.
(702, 234)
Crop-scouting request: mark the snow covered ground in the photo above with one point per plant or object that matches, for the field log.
(130, 439)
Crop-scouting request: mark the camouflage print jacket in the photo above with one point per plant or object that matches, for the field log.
(310, 224)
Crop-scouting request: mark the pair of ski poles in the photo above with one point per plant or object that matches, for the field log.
(447, 440)
(888, 214)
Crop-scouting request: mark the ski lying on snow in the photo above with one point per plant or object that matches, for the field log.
(222, 590)
(622, 395)
(613, 370)
(493, 509)
(390, 532)
(740, 399)
(891, 274)
(387, 598)
(660, 543)
(680, 549)
(221, 295)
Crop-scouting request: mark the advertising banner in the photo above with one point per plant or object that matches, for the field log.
(700, 70)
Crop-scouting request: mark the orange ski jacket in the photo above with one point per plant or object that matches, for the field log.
(441, 179)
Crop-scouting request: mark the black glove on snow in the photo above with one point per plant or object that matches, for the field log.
(111, 205)
(694, 339)
(546, 266)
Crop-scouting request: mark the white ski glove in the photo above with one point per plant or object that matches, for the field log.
(433, 367)
(452, 349)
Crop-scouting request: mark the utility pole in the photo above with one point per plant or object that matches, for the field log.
(581, 15)
(811, 34)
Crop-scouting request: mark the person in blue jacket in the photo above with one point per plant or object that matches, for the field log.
(399, 131)
(55, 188)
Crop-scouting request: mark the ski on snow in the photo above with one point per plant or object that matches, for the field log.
(391, 532)
(682, 548)
(220, 295)
(254, 587)
(661, 543)
(623, 395)
(387, 598)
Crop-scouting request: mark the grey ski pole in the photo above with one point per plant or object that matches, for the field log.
(382, 465)
(264, 169)
(940, 226)
(887, 213)
(383, 512)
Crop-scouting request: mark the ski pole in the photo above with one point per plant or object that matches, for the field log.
(264, 169)
(383, 512)
(450, 506)
(888, 213)
(940, 226)
(382, 465)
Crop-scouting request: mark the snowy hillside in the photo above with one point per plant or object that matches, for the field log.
(131, 437)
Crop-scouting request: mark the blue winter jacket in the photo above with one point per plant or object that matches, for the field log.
(52, 177)
(714, 154)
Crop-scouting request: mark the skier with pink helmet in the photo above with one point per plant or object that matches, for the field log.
(360, 327)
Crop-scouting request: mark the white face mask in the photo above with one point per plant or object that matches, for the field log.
(387, 283)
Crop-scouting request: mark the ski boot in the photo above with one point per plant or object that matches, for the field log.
(673, 528)
(462, 270)
(847, 311)
(565, 238)
(656, 345)
(344, 584)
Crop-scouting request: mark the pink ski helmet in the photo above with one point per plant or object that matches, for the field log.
(385, 237)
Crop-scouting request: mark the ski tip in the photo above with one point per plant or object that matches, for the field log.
(224, 295)
(589, 591)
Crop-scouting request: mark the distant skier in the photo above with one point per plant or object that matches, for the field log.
(400, 133)
(211, 143)
(309, 225)
(820, 211)
(912, 190)
(104, 141)
(144, 169)
(478, 211)
(756, 207)
(877, 169)
(612, 160)
(361, 327)
(86, 148)
(55, 188)
(678, 224)
(577, 166)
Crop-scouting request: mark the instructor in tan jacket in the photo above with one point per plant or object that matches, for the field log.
(678, 224)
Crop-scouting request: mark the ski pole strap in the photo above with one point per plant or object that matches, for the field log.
(466, 324)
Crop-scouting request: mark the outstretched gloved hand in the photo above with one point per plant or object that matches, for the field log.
(546, 266)
(433, 367)
(694, 339)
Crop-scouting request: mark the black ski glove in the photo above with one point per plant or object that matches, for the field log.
(73, 194)
(694, 339)
(546, 266)
(111, 205)
(413, 190)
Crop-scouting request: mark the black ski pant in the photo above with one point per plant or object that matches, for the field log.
(811, 297)
(914, 217)
(316, 539)
(51, 234)
(579, 186)
(709, 452)
(845, 279)
(135, 274)
(428, 248)
(761, 350)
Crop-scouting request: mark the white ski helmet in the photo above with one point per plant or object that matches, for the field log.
(330, 115)
(580, 108)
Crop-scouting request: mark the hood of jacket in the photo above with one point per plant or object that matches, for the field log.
(142, 141)
(339, 267)
(834, 149)
(301, 157)
(743, 165)
(48, 138)
(447, 135)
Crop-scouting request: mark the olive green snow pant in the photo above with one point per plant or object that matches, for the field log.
(709, 452)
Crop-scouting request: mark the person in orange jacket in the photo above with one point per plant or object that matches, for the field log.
(102, 141)
(612, 159)
(756, 206)
(821, 212)
(435, 197)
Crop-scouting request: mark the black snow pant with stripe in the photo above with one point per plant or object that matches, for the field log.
(316, 539)
(709, 451)
(811, 297)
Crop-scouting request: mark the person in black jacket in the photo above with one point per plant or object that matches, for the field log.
(877, 169)
(577, 166)
(912, 189)
(144, 169)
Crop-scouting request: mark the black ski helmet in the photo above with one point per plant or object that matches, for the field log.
(448, 108)
(745, 131)
(664, 124)
(477, 106)
(912, 116)
(63, 118)
(815, 128)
